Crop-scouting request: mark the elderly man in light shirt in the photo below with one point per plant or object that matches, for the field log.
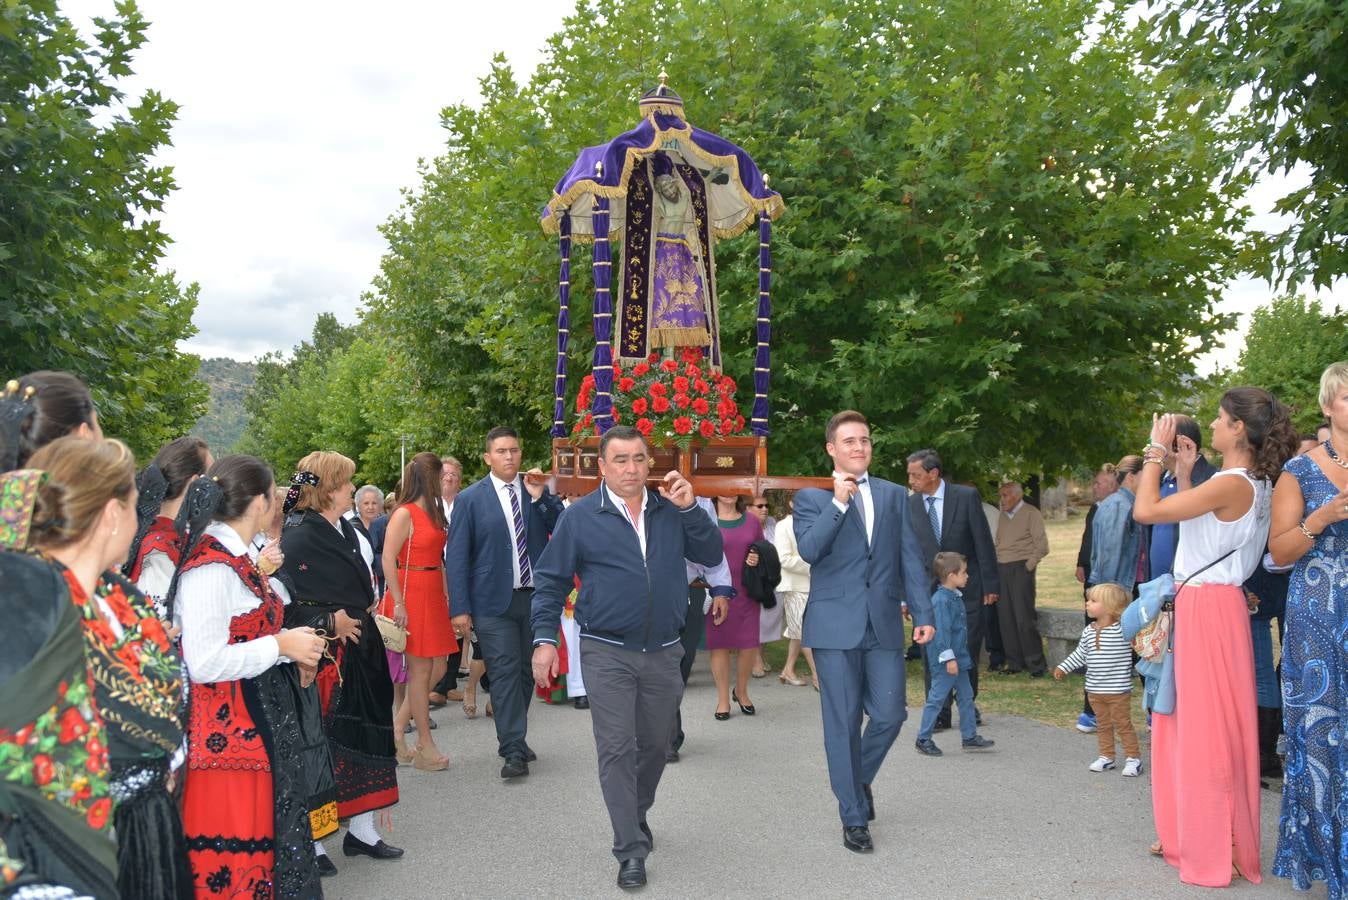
(1021, 544)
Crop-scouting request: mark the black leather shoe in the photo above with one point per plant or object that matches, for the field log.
(978, 716)
(722, 716)
(582, 703)
(870, 803)
(927, 747)
(326, 869)
(672, 756)
(632, 873)
(1039, 673)
(977, 742)
(646, 830)
(857, 838)
(942, 723)
(529, 754)
(354, 846)
(747, 710)
(515, 767)
(914, 652)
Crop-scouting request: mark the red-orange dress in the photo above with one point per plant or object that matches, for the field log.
(421, 572)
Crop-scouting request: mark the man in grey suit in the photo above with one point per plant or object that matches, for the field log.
(864, 563)
(950, 517)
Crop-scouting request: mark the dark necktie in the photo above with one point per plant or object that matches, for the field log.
(935, 519)
(521, 540)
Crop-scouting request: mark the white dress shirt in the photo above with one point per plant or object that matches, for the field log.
(939, 497)
(156, 571)
(503, 496)
(209, 597)
(640, 524)
(864, 487)
(717, 575)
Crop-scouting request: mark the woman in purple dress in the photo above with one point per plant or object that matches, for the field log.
(737, 629)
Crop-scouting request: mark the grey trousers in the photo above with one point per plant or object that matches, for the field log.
(634, 697)
(507, 649)
(1020, 624)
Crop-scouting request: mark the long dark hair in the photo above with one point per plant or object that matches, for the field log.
(421, 485)
(221, 495)
(46, 406)
(1268, 428)
(180, 461)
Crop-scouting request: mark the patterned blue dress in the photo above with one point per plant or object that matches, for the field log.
(1313, 829)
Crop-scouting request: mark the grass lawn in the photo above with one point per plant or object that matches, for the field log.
(1042, 699)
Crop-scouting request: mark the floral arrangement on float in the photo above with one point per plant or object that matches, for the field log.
(676, 400)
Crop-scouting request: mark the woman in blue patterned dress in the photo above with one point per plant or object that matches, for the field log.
(1310, 528)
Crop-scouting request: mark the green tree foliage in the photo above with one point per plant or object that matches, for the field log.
(1283, 65)
(78, 235)
(1290, 343)
(1002, 237)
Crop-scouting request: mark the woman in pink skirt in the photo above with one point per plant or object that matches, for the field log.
(738, 628)
(1205, 754)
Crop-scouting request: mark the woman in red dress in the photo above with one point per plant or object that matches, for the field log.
(156, 551)
(414, 571)
(246, 811)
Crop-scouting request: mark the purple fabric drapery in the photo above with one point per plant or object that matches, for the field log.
(602, 365)
(758, 423)
(563, 328)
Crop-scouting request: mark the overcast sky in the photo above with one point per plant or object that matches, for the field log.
(299, 125)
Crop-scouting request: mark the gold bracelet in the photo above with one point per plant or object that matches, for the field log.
(1306, 532)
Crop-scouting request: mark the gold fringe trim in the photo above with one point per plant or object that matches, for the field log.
(773, 205)
(679, 337)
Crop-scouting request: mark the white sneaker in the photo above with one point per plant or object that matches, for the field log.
(1132, 767)
(1103, 763)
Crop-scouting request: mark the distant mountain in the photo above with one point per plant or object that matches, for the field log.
(223, 424)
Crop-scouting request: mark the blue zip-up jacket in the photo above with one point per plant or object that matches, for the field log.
(952, 630)
(624, 600)
(1115, 541)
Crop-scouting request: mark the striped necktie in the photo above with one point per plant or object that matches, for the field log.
(935, 520)
(521, 540)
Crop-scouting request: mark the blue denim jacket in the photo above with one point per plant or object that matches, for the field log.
(952, 630)
(1115, 541)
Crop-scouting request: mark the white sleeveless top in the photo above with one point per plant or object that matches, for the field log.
(1207, 537)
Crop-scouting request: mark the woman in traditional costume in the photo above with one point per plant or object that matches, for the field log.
(331, 590)
(248, 805)
(135, 669)
(156, 551)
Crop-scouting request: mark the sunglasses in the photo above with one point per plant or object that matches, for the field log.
(759, 505)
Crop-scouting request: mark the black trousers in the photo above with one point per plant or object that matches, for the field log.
(693, 627)
(507, 647)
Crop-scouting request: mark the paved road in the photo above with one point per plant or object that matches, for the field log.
(748, 813)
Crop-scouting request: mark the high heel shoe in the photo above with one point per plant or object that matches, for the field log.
(747, 710)
(428, 760)
(790, 678)
(722, 716)
(403, 752)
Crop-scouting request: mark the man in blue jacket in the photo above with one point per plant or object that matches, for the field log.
(499, 528)
(864, 563)
(627, 545)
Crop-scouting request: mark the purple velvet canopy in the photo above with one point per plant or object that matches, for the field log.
(727, 193)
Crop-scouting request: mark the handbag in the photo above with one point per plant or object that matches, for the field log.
(1156, 638)
(394, 636)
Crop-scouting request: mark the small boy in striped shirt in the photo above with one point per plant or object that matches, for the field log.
(1107, 657)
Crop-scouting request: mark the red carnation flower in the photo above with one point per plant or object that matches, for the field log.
(97, 816)
(626, 384)
(617, 414)
(708, 428)
(701, 386)
(653, 358)
(658, 389)
(680, 384)
(588, 420)
(576, 430)
(692, 371)
(645, 426)
(682, 401)
(701, 406)
(669, 365)
(72, 725)
(660, 404)
(726, 385)
(44, 770)
(683, 425)
(640, 369)
(727, 426)
(617, 369)
(639, 406)
(739, 423)
(587, 381)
